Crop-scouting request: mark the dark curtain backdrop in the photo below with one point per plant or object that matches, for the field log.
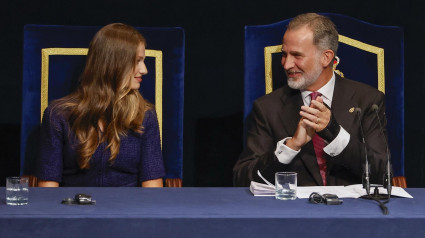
(214, 67)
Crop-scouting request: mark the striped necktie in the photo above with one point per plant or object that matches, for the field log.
(319, 144)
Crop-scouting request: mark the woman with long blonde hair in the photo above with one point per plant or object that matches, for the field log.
(105, 133)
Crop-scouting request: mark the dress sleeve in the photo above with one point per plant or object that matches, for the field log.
(49, 163)
(152, 166)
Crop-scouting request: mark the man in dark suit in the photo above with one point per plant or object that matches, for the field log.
(317, 137)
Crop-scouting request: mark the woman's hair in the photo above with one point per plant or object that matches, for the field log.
(104, 93)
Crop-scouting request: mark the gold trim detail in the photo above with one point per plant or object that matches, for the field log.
(372, 49)
(46, 52)
(158, 85)
(269, 50)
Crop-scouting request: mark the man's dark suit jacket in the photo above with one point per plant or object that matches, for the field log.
(275, 116)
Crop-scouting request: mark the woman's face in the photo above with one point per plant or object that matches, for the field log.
(140, 68)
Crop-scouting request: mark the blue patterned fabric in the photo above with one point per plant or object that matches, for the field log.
(138, 160)
(64, 71)
(355, 64)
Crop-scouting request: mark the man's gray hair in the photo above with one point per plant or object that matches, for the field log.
(325, 35)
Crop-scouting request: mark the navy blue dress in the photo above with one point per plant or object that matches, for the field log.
(139, 158)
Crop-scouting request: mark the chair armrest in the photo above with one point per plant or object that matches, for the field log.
(169, 182)
(400, 181)
(173, 182)
(32, 180)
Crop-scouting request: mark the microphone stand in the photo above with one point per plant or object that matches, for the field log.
(366, 175)
(366, 166)
(388, 173)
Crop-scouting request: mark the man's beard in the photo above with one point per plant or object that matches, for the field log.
(305, 80)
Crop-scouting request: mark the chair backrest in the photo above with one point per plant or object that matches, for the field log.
(54, 58)
(368, 53)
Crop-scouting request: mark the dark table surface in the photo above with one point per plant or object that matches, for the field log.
(205, 212)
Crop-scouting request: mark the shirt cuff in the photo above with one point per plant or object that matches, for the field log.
(283, 153)
(338, 144)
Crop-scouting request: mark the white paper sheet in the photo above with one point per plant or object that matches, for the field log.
(351, 191)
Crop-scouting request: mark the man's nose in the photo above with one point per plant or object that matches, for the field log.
(287, 62)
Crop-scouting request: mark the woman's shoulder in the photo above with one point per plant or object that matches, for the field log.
(150, 111)
(57, 111)
(150, 116)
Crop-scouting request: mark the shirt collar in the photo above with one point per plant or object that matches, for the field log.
(327, 92)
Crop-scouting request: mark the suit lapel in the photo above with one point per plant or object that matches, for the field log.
(290, 110)
(343, 104)
(343, 107)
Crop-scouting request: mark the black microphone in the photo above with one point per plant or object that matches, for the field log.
(366, 168)
(388, 173)
(366, 175)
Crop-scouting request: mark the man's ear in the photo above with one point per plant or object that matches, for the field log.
(327, 57)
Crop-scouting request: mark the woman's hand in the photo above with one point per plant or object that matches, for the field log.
(153, 183)
(42, 183)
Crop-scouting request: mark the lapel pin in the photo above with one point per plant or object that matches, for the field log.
(351, 110)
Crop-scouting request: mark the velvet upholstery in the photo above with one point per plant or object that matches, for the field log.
(355, 63)
(64, 71)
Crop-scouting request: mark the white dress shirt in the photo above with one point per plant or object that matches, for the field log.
(285, 154)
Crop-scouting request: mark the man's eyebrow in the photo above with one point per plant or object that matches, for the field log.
(296, 53)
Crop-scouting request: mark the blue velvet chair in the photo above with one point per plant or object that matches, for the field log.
(54, 57)
(369, 53)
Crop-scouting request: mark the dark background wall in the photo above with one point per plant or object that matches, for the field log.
(214, 67)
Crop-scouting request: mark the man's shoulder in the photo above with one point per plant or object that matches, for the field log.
(358, 86)
(276, 95)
